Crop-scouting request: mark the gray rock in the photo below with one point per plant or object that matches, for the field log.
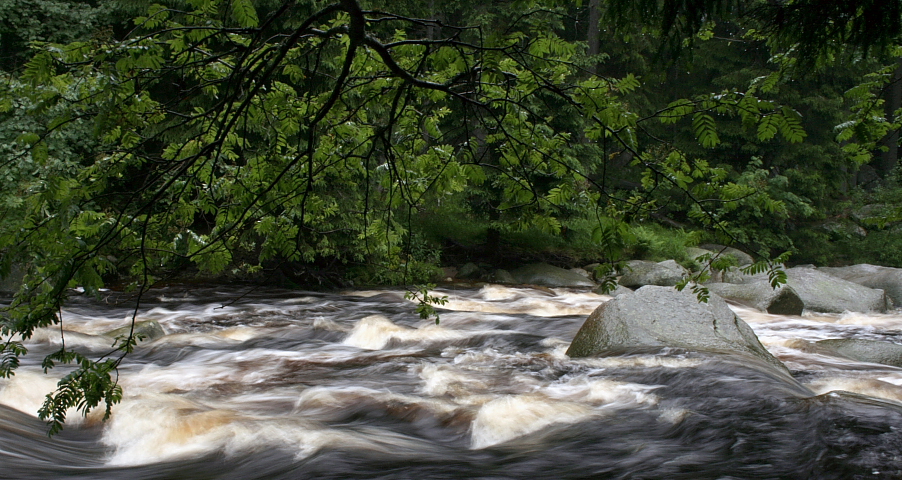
(760, 295)
(826, 293)
(695, 252)
(469, 270)
(843, 228)
(871, 351)
(582, 272)
(887, 279)
(503, 276)
(618, 290)
(734, 275)
(870, 214)
(741, 257)
(638, 273)
(149, 329)
(663, 317)
(550, 276)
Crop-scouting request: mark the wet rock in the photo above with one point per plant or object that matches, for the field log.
(550, 276)
(663, 317)
(741, 257)
(887, 279)
(638, 273)
(871, 351)
(826, 293)
(148, 329)
(760, 295)
(503, 276)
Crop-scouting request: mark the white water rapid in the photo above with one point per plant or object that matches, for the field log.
(284, 384)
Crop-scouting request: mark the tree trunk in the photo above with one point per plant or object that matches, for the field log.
(890, 158)
(593, 34)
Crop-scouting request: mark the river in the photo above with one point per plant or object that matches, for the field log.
(287, 384)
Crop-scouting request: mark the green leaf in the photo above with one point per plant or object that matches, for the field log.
(705, 130)
(244, 13)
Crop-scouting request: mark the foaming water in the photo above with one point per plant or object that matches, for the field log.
(285, 384)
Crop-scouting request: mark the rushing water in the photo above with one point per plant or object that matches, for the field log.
(286, 384)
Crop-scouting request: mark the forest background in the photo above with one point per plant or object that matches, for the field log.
(336, 144)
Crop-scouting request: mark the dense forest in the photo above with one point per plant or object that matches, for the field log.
(358, 143)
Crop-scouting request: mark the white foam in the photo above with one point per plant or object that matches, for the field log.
(497, 299)
(510, 417)
(376, 331)
(604, 392)
(25, 391)
(441, 380)
(866, 386)
(158, 428)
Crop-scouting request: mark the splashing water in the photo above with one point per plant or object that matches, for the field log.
(287, 384)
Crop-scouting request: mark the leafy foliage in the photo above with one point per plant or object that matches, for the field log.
(226, 136)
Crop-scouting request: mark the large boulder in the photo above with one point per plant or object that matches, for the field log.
(887, 279)
(871, 351)
(550, 276)
(826, 293)
(638, 273)
(664, 317)
(760, 295)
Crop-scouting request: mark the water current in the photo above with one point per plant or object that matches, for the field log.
(286, 384)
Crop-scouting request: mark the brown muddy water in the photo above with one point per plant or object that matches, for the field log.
(287, 384)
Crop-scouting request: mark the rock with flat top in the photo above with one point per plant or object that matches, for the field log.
(887, 279)
(826, 293)
(638, 273)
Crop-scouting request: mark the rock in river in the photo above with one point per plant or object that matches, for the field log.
(826, 293)
(638, 273)
(887, 279)
(760, 295)
(663, 317)
(147, 329)
(550, 276)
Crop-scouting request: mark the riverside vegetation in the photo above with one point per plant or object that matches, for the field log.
(329, 144)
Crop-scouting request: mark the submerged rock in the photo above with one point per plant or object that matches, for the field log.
(663, 317)
(638, 273)
(148, 329)
(760, 295)
(550, 276)
(887, 279)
